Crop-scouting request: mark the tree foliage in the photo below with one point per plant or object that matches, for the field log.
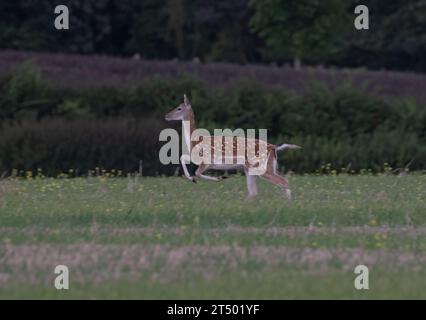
(397, 36)
(242, 31)
(300, 28)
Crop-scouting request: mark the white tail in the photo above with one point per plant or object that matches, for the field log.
(287, 146)
(266, 152)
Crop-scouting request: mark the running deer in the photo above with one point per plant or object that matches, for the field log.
(266, 153)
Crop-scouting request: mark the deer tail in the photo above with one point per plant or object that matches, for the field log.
(284, 146)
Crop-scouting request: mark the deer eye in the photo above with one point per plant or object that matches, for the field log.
(179, 108)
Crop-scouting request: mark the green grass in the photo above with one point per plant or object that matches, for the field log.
(282, 285)
(169, 238)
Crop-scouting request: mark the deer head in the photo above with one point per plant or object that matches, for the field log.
(181, 112)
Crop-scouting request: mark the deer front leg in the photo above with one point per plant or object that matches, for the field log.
(185, 169)
(203, 167)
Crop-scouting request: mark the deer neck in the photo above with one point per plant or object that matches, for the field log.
(188, 127)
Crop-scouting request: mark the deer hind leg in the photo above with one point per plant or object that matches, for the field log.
(203, 167)
(274, 177)
(251, 186)
(279, 181)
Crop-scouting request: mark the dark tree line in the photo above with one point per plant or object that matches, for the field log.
(242, 31)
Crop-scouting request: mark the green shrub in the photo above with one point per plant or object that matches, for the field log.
(56, 145)
(24, 93)
(56, 128)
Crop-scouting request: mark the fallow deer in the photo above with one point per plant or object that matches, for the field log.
(267, 154)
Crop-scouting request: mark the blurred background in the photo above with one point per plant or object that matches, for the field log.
(93, 97)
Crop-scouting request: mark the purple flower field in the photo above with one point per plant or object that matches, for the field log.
(76, 71)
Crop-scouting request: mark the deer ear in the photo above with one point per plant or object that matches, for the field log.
(186, 101)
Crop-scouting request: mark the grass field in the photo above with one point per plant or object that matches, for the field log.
(169, 238)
